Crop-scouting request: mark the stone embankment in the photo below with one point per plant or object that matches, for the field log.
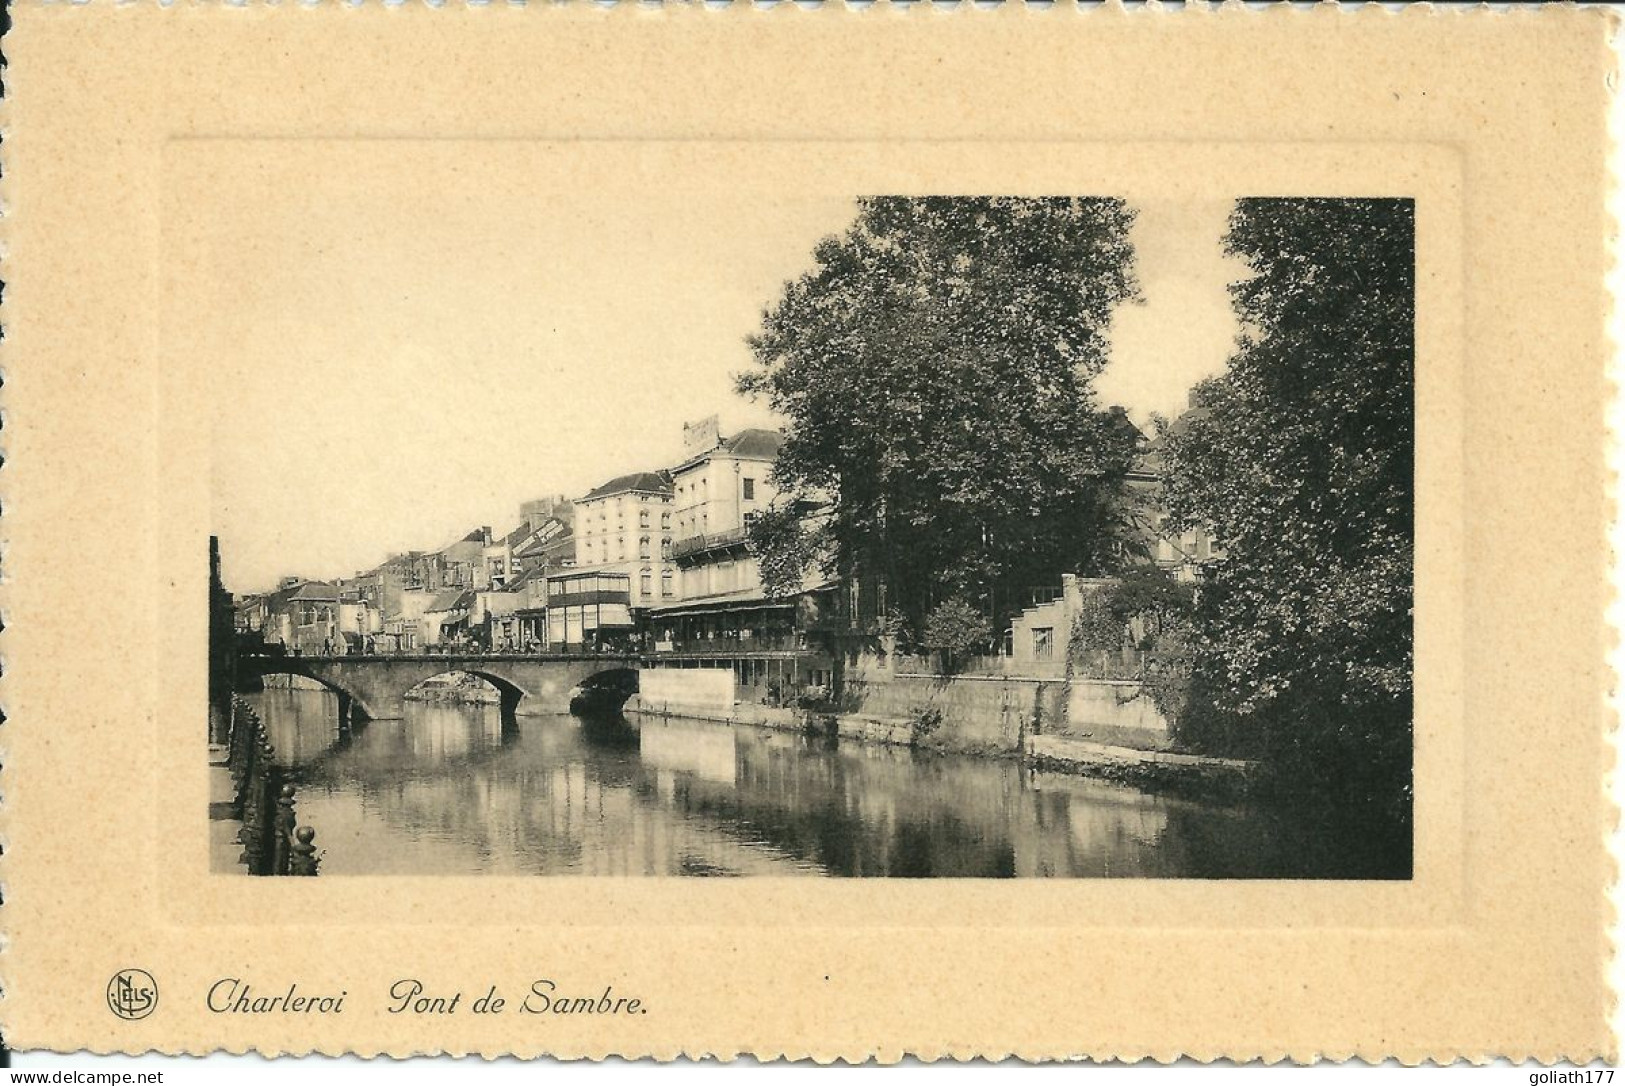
(1189, 773)
(1101, 728)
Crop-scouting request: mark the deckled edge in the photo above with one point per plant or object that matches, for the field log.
(1611, 963)
(6, 302)
(1613, 755)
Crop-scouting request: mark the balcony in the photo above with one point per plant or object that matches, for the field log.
(590, 597)
(714, 541)
(732, 646)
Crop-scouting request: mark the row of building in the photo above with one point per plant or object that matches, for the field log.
(658, 552)
(655, 561)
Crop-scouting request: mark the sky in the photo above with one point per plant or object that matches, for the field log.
(409, 339)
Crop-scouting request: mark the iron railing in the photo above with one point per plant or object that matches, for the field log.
(264, 801)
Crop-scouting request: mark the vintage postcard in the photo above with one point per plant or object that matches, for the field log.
(848, 533)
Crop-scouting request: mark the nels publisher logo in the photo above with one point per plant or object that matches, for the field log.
(132, 993)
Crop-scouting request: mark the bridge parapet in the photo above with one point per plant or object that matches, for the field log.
(377, 685)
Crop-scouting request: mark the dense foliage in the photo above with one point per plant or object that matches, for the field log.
(1299, 458)
(1095, 626)
(786, 548)
(955, 627)
(935, 369)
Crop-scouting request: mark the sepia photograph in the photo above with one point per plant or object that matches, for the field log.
(808, 534)
(869, 535)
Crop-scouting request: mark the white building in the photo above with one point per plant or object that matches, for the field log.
(625, 526)
(718, 489)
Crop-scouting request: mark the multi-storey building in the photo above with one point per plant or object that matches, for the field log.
(1184, 553)
(590, 609)
(624, 526)
(302, 617)
(722, 617)
(718, 489)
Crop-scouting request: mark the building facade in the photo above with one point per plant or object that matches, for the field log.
(624, 527)
(721, 485)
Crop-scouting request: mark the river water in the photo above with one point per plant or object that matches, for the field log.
(449, 790)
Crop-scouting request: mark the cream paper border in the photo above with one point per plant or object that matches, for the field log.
(1496, 947)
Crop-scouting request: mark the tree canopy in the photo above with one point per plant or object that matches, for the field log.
(1299, 458)
(935, 368)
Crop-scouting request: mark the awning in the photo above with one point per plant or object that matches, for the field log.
(721, 607)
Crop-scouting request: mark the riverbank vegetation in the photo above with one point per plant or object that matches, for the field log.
(936, 368)
(1300, 460)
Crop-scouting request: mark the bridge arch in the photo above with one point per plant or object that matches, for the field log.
(509, 693)
(352, 702)
(605, 690)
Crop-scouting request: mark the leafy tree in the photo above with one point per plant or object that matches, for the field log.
(954, 627)
(785, 547)
(1150, 594)
(935, 368)
(1299, 458)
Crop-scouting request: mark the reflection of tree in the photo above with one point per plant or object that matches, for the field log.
(446, 786)
(856, 810)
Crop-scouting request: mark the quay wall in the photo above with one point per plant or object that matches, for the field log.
(996, 714)
(965, 714)
(972, 714)
(1116, 712)
(678, 690)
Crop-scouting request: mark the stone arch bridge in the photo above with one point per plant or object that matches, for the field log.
(376, 686)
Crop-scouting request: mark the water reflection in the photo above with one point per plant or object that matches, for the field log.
(449, 790)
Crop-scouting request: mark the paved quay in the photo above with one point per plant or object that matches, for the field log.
(225, 850)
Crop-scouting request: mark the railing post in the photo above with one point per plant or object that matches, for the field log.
(251, 835)
(304, 859)
(284, 831)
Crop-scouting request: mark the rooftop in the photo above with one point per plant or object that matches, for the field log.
(753, 444)
(644, 482)
(451, 600)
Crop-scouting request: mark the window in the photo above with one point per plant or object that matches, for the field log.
(646, 584)
(665, 548)
(1043, 642)
(665, 584)
(750, 489)
(665, 520)
(643, 518)
(643, 547)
